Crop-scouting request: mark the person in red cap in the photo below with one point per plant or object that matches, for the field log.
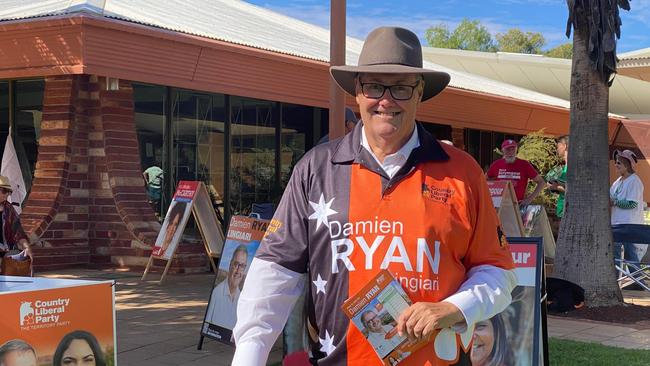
(519, 171)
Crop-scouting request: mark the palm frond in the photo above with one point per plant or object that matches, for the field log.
(603, 27)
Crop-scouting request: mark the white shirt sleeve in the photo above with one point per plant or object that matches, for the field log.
(485, 293)
(268, 296)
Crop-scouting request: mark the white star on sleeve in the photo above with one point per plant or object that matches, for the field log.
(320, 284)
(327, 344)
(321, 211)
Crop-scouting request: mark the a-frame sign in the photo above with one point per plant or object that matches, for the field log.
(190, 197)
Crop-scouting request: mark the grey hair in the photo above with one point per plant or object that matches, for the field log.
(12, 346)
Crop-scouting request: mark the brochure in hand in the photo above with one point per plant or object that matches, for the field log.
(375, 310)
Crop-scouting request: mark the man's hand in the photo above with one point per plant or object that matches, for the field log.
(421, 319)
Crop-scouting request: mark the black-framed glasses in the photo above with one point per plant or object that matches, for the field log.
(398, 92)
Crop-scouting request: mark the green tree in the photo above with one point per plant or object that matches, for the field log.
(541, 151)
(516, 41)
(469, 35)
(584, 249)
(561, 51)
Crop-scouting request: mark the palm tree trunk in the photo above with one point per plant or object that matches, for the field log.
(584, 252)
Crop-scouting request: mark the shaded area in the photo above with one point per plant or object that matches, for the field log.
(637, 316)
(160, 324)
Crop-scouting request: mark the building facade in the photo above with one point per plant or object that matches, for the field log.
(94, 98)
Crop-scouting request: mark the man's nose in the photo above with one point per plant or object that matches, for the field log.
(387, 98)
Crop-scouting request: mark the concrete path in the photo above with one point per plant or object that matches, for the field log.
(160, 324)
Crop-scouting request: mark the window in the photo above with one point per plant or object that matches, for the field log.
(4, 114)
(21, 106)
(149, 107)
(28, 114)
(253, 153)
(198, 125)
(243, 149)
(300, 126)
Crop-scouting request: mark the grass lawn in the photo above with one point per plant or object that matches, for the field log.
(569, 353)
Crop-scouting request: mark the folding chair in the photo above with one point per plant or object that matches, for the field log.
(628, 271)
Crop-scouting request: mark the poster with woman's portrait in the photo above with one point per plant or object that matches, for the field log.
(512, 337)
(57, 322)
(172, 228)
(243, 239)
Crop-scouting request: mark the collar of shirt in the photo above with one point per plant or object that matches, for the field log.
(393, 162)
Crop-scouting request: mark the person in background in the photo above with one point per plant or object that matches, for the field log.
(519, 171)
(13, 236)
(153, 177)
(350, 121)
(557, 184)
(17, 352)
(626, 201)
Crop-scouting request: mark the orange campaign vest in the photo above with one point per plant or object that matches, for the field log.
(342, 220)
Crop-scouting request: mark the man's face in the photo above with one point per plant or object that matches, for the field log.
(510, 153)
(386, 118)
(237, 268)
(19, 358)
(372, 322)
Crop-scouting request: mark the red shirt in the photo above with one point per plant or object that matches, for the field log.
(519, 172)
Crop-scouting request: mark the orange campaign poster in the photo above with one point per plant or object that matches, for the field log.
(57, 318)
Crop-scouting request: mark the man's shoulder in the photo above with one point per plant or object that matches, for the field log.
(318, 155)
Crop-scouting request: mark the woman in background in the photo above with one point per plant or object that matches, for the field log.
(626, 201)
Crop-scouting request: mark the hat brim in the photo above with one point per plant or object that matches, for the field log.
(618, 153)
(6, 187)
(434, 81)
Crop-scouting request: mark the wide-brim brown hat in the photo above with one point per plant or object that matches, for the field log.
(5, 183)
(391, 50)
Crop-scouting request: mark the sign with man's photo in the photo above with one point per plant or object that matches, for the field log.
(242, 240)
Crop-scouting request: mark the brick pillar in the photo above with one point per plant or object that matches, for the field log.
(458, 137)
(88, 204)
(56, 212)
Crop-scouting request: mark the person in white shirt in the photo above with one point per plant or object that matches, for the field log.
(223, 303)
(626, 201)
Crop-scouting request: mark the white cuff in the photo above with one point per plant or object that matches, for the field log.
(466, 302)
(250, 354)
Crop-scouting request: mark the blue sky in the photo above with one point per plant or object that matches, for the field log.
(545, 16)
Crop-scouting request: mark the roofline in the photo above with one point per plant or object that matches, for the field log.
(501, 57)
(83, 44)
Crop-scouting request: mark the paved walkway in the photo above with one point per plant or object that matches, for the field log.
(160, 324)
